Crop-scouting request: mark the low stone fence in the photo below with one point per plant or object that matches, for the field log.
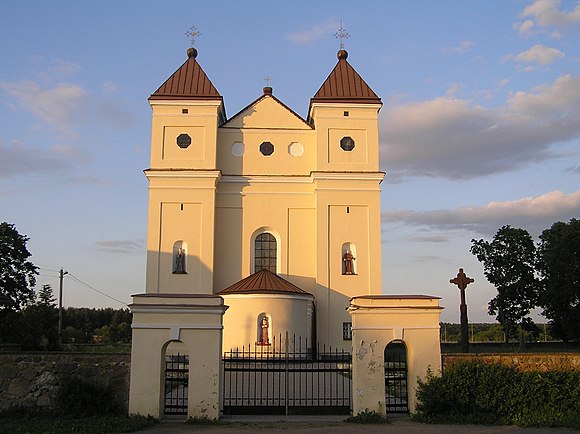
(30, 380)
(521, 361)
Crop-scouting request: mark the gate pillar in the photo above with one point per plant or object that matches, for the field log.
(378, 320)
(197, 322)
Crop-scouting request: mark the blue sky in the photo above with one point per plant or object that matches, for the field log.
(480, 125)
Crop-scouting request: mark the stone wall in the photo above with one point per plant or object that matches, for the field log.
(522, 361)
(31, 379)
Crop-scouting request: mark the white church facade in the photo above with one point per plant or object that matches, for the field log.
(266, 224)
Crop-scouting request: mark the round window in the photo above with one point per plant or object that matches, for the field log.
(183, 141)
(347, 143)
(266, 148)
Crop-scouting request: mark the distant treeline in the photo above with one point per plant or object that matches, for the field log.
(36, 327)
(84, 325)
(493, 332)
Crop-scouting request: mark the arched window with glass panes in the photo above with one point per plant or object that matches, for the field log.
(265, 252)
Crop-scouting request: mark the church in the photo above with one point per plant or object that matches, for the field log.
(261, 225)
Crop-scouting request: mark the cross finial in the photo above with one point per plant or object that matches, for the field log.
(342, 35)
(193, 33)
(267, 80)
(461, 280)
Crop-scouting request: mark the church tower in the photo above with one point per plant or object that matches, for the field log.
(187, 111)
(344, 114)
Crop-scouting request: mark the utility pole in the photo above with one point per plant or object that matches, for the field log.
(61, 275)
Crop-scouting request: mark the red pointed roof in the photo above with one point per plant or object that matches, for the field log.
(188, 82)
(263, 282)
(344, 84)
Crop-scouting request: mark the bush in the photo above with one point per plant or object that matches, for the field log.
(475, 392)
(202, 420)
(26, 421)
(367, 417)
(77, 397)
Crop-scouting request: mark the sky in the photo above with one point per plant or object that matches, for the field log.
(480, 124)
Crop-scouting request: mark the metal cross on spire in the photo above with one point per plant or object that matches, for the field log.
(193, 33)
(342, 35)
(267, 80)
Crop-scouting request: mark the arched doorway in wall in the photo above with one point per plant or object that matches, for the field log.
(176, 379)
(396, 387)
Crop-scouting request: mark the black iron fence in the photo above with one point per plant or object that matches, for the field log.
(287, 377)
(176, 383)
(396, 387)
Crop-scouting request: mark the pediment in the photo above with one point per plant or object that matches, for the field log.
(267, 112)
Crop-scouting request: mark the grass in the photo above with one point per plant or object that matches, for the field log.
(21, 422)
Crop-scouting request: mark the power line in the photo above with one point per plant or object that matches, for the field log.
(95, 289)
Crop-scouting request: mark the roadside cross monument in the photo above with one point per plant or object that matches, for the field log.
(461, 280)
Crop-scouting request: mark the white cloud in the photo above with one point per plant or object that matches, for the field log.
(533, 213)
(525, 28)
(430, 239)
(539, 54)
(58, 106)
(463, 47)
(547, 13)
(17, 159)
(314, 33)
(64, 68)
(120, 246)
(456, 139)
(110, 88)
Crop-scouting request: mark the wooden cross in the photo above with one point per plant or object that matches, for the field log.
(193, 33)
(342, 35)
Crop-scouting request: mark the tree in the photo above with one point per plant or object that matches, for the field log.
(45, 296)
(17, 274)
(509, 265)
(559, 268)
(39, 322)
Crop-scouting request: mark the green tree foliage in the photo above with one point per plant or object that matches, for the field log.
(474, 392)
(509, 265)
(559, 268)
(45, 297)
(38, 323)
(17, 273)
(84, 325)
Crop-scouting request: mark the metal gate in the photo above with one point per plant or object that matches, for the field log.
(286, 378)
(176, 383)
(396, 398)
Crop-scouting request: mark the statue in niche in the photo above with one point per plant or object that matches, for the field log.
(180, 261)
(348, 264)
(264, 326)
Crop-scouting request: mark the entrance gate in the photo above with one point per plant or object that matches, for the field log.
(396, 398)
(286, 378)
(176, 383)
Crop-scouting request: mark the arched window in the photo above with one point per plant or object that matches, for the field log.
(396, 394)
(176, 378)
(264, 328)
(349, 265)
(180, 257)
(265, 252)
